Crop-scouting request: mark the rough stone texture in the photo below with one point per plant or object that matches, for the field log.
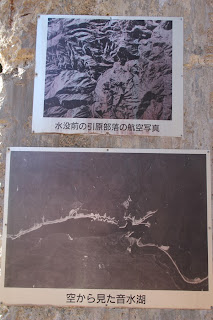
(17, 42)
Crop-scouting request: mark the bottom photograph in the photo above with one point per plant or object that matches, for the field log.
(107, 227)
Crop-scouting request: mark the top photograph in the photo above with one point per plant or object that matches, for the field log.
(114, 75)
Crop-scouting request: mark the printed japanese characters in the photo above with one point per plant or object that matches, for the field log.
(101, 298)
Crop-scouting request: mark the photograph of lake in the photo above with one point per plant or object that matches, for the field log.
(107, 220)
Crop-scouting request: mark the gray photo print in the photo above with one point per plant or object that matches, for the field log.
(107, 221)
(112, 69)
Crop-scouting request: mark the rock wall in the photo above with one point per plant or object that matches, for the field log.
(17, 42)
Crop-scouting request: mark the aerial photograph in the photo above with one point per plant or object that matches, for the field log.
(108, 69)
(107, 220)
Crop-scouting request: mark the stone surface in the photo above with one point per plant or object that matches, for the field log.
(17, 42)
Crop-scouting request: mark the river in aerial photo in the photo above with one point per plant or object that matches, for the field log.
(98, 220)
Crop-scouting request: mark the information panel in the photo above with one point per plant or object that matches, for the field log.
(109, 75)
(107, 227)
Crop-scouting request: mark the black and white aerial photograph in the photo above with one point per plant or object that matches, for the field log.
(107, 220)
(108, 68)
